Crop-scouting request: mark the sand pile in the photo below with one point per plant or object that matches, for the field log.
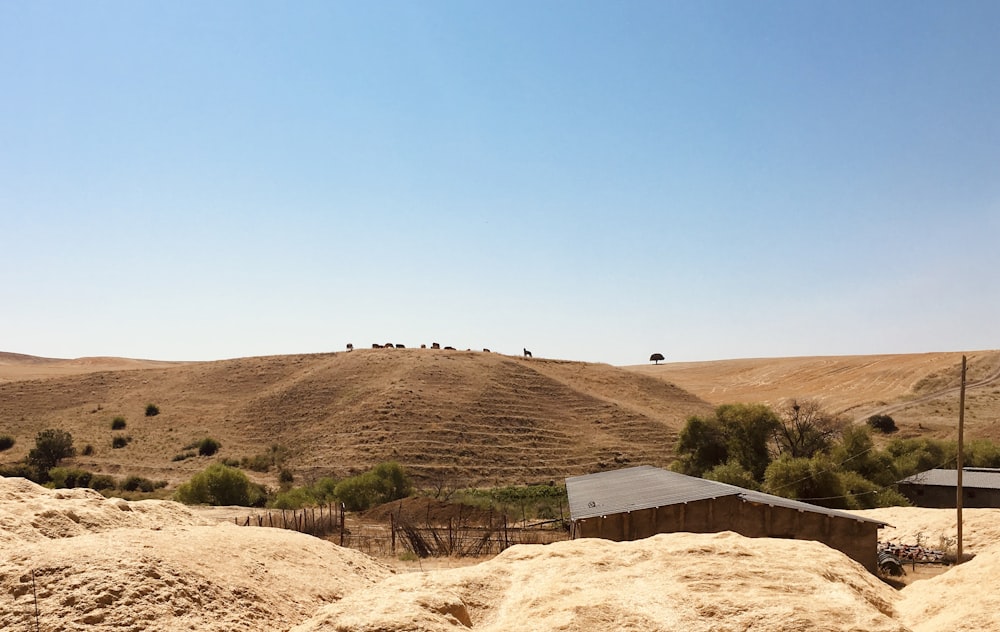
(691, 582)
(155, 565)
(157, 576)
(33, 513)
(962, 600)
(937, 528)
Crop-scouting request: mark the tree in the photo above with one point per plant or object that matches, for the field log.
(805, 429)
(51, 446)
(737, 433)
(656, 357)
(812, 480)
(701, 446)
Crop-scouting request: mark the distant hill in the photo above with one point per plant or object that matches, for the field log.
(920, 391)
(451, 417)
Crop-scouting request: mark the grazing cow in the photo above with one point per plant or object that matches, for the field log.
(527, 353)
(350, 347)
(376, 345)
(435, 345)
(398, 346)
(449, 348)
(486, 350)
(388, 345)
(423, 346)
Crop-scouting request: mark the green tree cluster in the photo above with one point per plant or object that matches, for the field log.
(383, 483)
(805, 453)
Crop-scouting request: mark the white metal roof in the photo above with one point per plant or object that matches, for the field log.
(972, 477)
(646, 487)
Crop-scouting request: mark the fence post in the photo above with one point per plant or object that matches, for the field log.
(342, 524)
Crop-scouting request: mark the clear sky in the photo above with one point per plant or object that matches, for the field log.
(594, 181)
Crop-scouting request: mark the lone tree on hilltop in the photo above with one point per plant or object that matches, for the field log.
(656, 357)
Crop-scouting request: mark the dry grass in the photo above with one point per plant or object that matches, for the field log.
(453, 418)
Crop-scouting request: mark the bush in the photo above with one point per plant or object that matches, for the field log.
(285, 476)
(88, 450)
(118, 423)
(381, 484)
(51, 446)
(257, 463)
(70, 477)
(208, 446)
(138, 483)
(220, 485)
(183, 456)
(119, 441)
(6, 442)
(152, 410)
(102, 481)
(883, 423)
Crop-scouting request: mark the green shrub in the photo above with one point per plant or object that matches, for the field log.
(296, 498)
(183, 456)
(285, 476)
(152, 410)
(208, 446)
(231, 462)
(18, 470)
(70, 477)
(103, 481)
(883, 423)
(220, 485)
(118, 423)
(257, 463)
(137, 483)
(88, 450)
(6, 442)
(119, 441)
(381, 484)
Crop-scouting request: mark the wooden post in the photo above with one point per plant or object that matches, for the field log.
(958, 486)
(342, 524)
(392, 531)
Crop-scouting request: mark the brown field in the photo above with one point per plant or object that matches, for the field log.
(920, 391)
(454, 417)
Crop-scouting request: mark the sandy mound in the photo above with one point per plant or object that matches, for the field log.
(692, 582)
(159, 577)
(962, 600)
(937, 528)
(33, 513)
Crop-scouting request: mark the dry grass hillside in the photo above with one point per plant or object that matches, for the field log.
(920, 391)
(452, 417)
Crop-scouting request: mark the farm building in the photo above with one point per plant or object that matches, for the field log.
(937, 488)
(638, 502)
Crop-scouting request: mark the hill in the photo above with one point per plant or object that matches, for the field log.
(920, 391)
(451, 417)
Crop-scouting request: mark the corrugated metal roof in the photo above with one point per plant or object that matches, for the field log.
(635, 488)
(646, 487)
(972, 477)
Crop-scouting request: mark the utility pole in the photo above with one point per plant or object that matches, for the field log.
(958, 486)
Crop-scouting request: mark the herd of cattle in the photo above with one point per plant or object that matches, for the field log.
(434, 345)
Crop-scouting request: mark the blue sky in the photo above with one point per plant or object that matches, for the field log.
(592, 181)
